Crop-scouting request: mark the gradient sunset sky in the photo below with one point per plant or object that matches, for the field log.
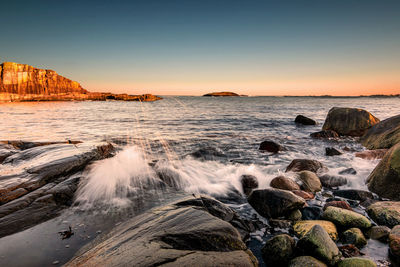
(302, 47)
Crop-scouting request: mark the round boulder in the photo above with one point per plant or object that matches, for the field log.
(356, 262)
(354, 236)
(270, 146)
(249, 182)
(298, 165)
(300, 119)
(284, 183)
(301, 228)
(385, 134)
(385, 213)
(278, 250)
(306, 261)
(346, 218)
(310, 181)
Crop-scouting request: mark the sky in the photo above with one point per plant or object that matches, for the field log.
(167, 47)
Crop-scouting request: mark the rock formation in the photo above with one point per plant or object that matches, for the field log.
(21, 82)
(222, 94)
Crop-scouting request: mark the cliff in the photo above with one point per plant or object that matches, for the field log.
(21, 82)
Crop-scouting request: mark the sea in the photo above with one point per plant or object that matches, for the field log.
(206, 143)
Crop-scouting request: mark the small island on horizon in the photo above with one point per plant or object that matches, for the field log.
(223, 94)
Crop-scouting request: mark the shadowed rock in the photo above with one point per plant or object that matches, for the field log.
(298, 165)
(300, 119)
(278, 250)
(270, 146)
(326, 134)
(385, 134)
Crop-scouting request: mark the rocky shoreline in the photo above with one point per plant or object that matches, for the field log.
(306, 220)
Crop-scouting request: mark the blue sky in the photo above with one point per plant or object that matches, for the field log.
(193, 47)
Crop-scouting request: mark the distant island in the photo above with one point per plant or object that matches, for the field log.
(223, 94)
(21, 82)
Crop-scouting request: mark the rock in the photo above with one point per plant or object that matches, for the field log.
(274, 203)
(394, 242)
(208, 153)
(318, 243)
(301, 228)
(306, 261)
(354, 236)
(338, 204)
(41, 181)
(310, 181)
(249, 182)
(300, 119)
(380, 233)
(385, 178)
(331, 151)
(283, 224)
(270, 146)
(278, 250)
(385, 134)
(385, 213)
(298, 165)
(331, 181)
(346, 218)
(356, 262)
(351, 171)
(349, 121)
(371, 154)
(303, 194)
(178, 235)
(312, 213)
(329, 134)
(281, 182)
(222, 94)
(295, 215)
(354, 194)
(349, 251)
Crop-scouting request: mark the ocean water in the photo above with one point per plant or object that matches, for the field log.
(203, 144)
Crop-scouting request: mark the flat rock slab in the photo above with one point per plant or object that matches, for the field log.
(178, 234)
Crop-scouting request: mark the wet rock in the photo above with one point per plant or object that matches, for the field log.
(295, 215)
(303, 194)
(304, 261)
(380, 233)
(328, 134)
(298, 165)
(331, 181)
(284, 183)
(349, 121)
(339, 204)
(371, 154)
(208, 153)
(349, 251)
(385, 178)
(356, 262)
(346, 218)
(301, 228)
(278, 250)
(331, 151)
(351, 171)
(182, 235)
(270, 146)
(300, 119)
(249, 182)
(385, 213)
(274, 203)
(394, 243)
(385, 134)
(354, 194)
(283, 224)
(312, 213)
(318, 243)
(354, 236)
(310, 181)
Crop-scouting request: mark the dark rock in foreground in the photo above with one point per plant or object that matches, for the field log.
(385, 134)
(304, 261)
(354, 194)
(278, 250)
(300, 119)
(179, 234)
(349, 121)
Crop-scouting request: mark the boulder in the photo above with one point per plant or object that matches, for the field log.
(298, 165)
(282, 182)
(385, 134)
(354, 194)
(295, 215)
(328, 134)
(339, 204)
(310, 181)
(249, 182)
(312, 213)
(300, 119)
(350, 171)
(356, 262)
(380, 233)
(385, 178)
(331, 181)
(270, 146)
(179, 234)
(304, 261)
(208, 153)
(354, 236)
(274, 203)
(349, 121)
(331, 151)
(349, 251)
(318, 243)
(303, 194)
(371, 154)
(394, 242)
(385, 213)
(346, 218)
(278, 250)
(301, 228)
